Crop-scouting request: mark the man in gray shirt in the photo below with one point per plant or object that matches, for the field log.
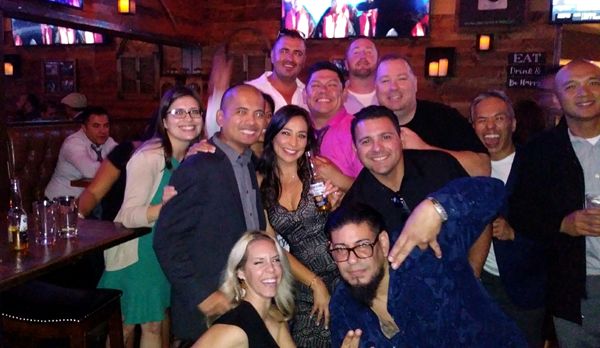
(217, 200)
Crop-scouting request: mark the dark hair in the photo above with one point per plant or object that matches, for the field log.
(291, 33)
(354, 213)
(84, 116)
(165, 103)
(326, 65)
(269, 100)
(394, 56)
(271, 186)
(370, 113)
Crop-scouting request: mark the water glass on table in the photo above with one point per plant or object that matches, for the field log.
(44, 222)
(67, 216)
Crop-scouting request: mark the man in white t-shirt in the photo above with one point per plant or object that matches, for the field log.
(513, 272)
(361, 62)
(282, 84)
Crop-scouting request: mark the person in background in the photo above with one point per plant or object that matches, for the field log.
(288, 55)
(293, 215)
(82, 153)
(28, 107)
(427, 125)
(217, 200)
(514, 272)
(132, 267)
(530, 121)
(108, 186)
(258, 282)
(545, 96)
(49, 111)
(361, 63)
(73, 104)
(556, 171)
(257, 148)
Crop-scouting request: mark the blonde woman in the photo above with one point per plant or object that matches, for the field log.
(258, 281)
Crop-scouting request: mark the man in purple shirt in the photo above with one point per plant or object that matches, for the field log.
(324, 96)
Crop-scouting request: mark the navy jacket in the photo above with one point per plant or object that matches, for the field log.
(195, 232)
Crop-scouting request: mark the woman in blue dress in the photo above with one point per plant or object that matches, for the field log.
(132, 266)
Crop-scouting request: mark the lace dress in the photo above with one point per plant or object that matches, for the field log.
(303, 231)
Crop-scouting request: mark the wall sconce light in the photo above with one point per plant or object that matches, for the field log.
(12, 65)
(439, 62)
(126, 6)
(9, 69)
(485, 42)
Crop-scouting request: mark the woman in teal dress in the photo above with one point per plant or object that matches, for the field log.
(132, 267)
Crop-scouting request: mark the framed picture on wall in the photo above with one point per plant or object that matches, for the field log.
(491, 12)
(59, 76)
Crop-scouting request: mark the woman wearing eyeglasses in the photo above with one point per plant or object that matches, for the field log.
(132, 267)
(293, 215)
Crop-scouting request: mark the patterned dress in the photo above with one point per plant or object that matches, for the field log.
(146, 290)
(303, 230)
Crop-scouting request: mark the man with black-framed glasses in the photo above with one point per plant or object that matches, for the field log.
(428, 301)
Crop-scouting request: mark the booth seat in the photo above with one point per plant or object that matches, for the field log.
(33, 150)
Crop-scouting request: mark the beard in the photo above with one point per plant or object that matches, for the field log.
(362, 73)
(365, 293)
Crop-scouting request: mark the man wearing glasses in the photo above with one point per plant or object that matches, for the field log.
(430, 301)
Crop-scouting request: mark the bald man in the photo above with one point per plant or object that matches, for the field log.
(556, 172)
(217, 200)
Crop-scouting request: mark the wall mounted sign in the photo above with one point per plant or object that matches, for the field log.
(524, 69)
(491, 12)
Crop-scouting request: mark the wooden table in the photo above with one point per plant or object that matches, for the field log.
(19, 266)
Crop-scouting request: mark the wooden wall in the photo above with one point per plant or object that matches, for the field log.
(218, 20)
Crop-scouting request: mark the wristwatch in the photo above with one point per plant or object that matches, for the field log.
(439, 208)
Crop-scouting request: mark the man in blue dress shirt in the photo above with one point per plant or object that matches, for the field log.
(428, 301)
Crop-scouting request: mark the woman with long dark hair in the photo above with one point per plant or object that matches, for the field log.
(132, 266)
(293, 215)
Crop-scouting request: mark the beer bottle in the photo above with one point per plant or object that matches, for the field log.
(317, 187)
(17, 218)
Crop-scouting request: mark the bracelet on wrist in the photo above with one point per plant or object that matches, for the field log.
(439, 208)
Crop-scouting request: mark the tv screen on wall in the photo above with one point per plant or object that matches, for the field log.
(72, 3)
(324, 19)
(575, 11)
(39, 34)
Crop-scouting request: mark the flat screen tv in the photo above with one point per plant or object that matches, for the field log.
(575, 11)
(72, 3)
(325, 19)
(38, 34)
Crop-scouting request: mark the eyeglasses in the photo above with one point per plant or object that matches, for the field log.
(362, 251)
(291, 33)
(180, 114)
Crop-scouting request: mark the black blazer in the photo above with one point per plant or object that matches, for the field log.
(549, 186)
(195, 232)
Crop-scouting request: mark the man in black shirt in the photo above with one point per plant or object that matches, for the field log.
(427, 125)
(394, 181)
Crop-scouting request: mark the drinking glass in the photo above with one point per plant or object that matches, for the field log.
(592, 200)
(67, 216)
(44, 222)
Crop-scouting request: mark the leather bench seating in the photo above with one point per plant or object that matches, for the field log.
(33, 150)
(38, 310)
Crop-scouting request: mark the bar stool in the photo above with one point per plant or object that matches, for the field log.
(41, 311)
